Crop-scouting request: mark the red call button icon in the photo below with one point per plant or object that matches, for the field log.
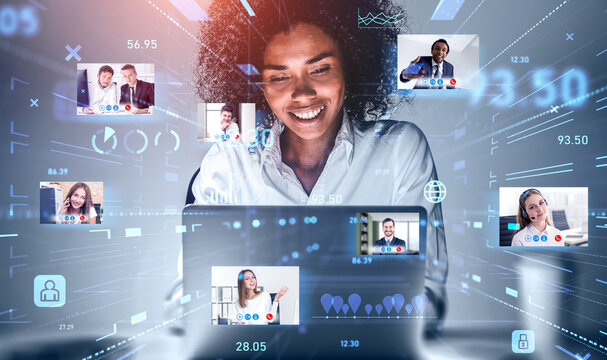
(557, 238)
(81, 217)
(269, 317)
(128, 108)
(452, 82)
(398, 249)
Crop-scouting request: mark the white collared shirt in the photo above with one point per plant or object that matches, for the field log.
(530, 236)
(440, 68)
(389, 240)
(387, 163)
(107, 96)
(262, 305)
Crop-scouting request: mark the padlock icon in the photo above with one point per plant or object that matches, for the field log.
(522, 341)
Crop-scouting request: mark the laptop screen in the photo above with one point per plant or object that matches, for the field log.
(300, 271)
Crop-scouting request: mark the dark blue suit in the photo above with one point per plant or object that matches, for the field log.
(144, 95)
(426, 64)
(395, 242)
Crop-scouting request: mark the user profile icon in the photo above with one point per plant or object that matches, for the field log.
(49, 291)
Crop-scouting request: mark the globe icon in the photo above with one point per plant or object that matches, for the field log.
(435, 191)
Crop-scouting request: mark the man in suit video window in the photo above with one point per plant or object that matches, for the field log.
(389, 240)
(137, 94)
(435, 66)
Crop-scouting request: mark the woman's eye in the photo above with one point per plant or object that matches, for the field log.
(320, 70)
(279, 78)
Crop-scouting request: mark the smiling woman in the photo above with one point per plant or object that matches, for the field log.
(322, 86)
(533, 222)
(77, 207)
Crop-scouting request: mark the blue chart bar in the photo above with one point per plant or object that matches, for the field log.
(511, 292)
(447, 9)
(137, 318)
(191, 10)
(248, 7)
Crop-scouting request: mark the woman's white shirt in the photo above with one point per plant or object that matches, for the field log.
(256, 310)
(387, 163)
(530, 236)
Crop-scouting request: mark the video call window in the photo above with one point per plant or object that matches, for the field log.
(226, 122)
(70, 202)
(255, 295)
(387, 233)
(543, 216)
(438, 62)
(115, 89)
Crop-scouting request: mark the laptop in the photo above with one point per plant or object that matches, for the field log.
(346, 296)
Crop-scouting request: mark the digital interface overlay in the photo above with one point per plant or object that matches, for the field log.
(475, 126)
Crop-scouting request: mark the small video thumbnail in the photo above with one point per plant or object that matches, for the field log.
(115, 89)
(387, 233)
(438, 61)
(226, 122)
(70, 202)
(255, 295)
(543, 216)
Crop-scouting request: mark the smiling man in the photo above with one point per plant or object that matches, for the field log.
(389, 240)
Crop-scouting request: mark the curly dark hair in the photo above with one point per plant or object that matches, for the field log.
(233, 37)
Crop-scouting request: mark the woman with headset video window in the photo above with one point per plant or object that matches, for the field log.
(535, 228)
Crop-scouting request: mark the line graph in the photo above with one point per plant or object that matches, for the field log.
(380, 20)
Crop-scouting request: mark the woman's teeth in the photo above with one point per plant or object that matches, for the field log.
(309, 114)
